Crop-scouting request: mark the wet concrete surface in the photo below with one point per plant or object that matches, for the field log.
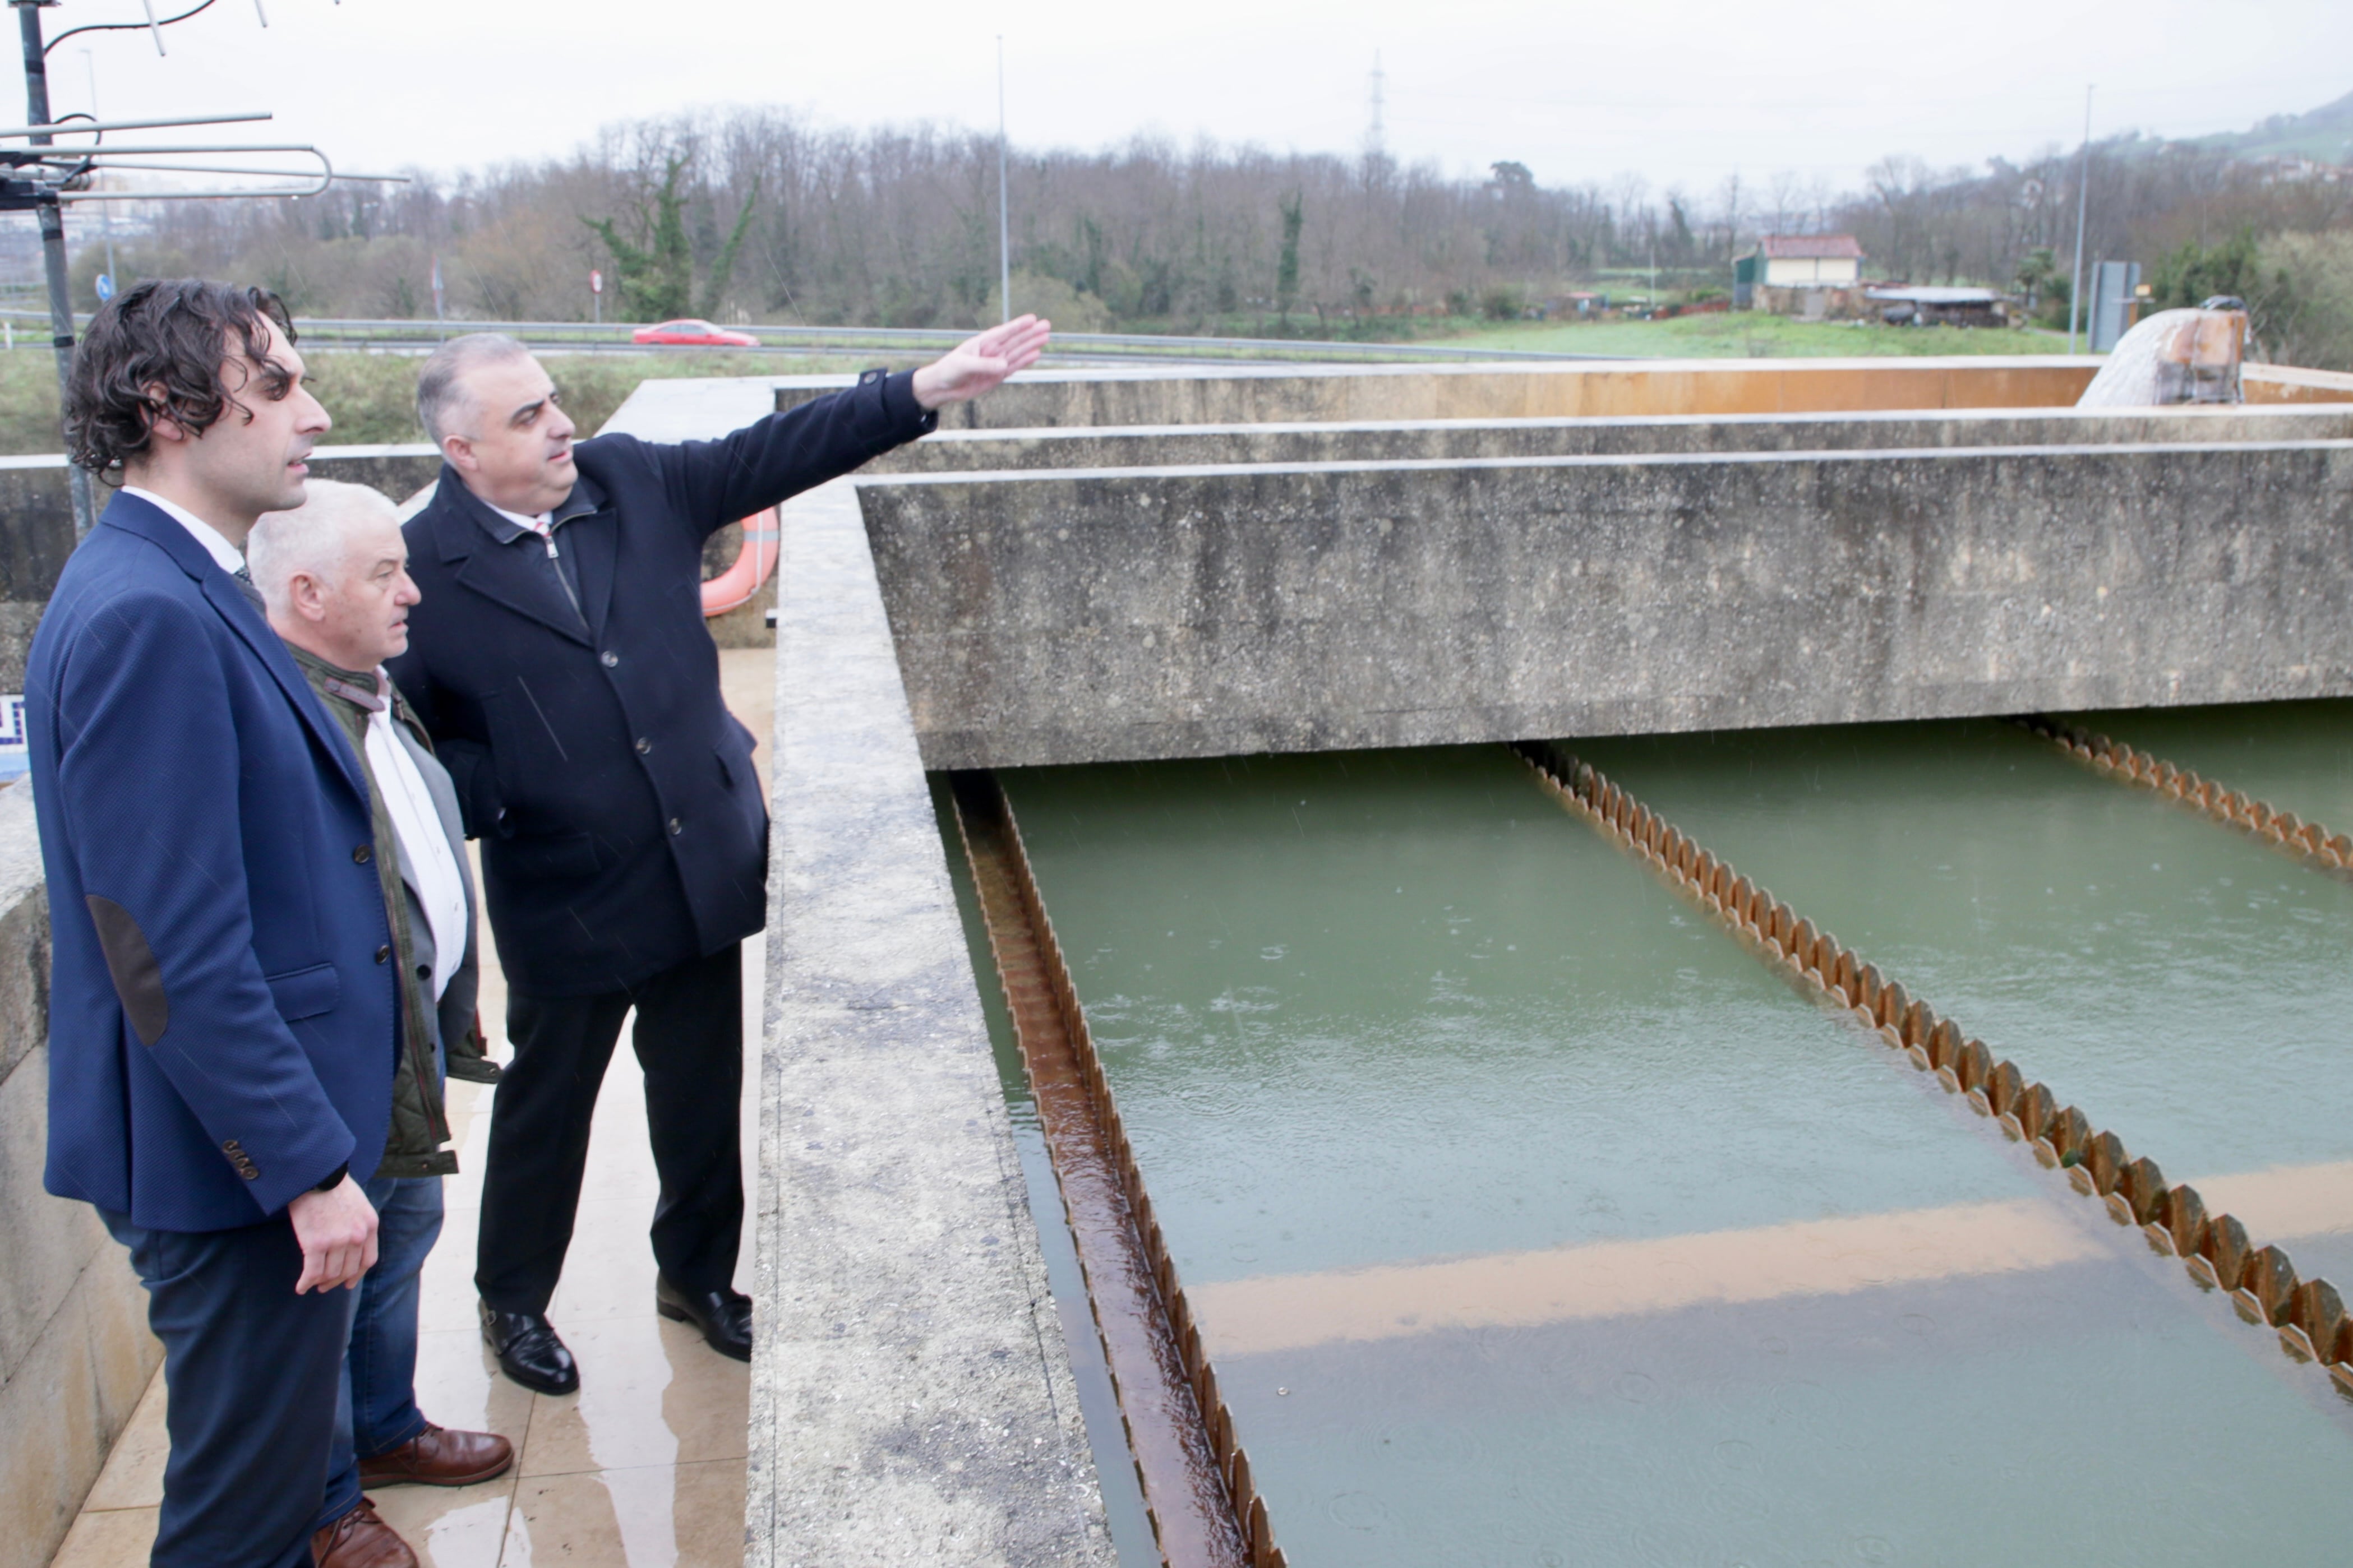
(1529, 1218)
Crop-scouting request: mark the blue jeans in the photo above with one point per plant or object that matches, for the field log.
(252, 1371)
(378, 1410)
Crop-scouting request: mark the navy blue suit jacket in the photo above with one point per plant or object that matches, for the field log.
(221, 1024)
(622, 826)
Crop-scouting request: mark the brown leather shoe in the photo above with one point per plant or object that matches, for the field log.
(437, 1457)
(359, 1540)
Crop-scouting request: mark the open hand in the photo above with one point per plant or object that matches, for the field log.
(336, 1229)
(978, 363)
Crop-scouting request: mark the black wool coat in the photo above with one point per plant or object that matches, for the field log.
(622, 827)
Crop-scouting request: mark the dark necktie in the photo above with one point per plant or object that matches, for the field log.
(253, 595)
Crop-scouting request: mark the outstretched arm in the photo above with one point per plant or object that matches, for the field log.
(780, 456)
(978, 363)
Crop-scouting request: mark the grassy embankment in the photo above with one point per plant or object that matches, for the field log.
(372, 397)
(1746, 334)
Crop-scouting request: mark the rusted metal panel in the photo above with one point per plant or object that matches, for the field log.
(1195, 1478)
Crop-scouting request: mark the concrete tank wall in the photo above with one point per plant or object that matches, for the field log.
(1158, 613)
(75, 1352)
(953, 451)
(37, 529)
(1232, 394)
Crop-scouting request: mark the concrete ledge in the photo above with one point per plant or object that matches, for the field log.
(1233, 394)
(1053, 616)
(75, 1352)
(1169, 446)
(2275, 384)
(912, 1398)
(37, 530)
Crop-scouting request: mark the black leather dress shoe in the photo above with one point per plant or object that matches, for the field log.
(529, 1352)
(724, 1315)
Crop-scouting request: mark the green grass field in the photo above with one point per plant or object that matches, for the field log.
(1746, 334)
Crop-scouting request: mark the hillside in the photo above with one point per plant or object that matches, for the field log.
(2323, 134)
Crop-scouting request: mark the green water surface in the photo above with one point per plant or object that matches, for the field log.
(2188, 987)
(1395, 1006)
(2296, 756)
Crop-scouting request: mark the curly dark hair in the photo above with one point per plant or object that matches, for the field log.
(156, 351)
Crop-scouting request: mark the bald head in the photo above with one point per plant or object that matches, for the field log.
(490, 409)
(335, 574)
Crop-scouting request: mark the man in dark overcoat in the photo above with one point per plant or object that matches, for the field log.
(559, 659)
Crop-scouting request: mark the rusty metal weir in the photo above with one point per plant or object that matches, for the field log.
(2308, 1314)
(1197, 1480)
(2283, 830)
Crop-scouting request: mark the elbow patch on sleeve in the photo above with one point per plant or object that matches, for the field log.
(138, 978)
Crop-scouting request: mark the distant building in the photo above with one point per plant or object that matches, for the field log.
(1940, 307)
(1793, 269)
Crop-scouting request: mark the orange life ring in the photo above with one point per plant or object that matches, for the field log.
(753, 561)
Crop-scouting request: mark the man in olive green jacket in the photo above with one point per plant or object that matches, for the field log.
(334, 579)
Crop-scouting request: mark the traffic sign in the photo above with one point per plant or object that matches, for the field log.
(105, 287)
(596, 280)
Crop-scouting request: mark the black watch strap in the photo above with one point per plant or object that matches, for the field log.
(336, 1180)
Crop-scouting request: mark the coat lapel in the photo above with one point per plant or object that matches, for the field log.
(505, 574)
(136, 516)
(592, 538)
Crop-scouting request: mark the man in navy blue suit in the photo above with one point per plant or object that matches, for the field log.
(222, 1009)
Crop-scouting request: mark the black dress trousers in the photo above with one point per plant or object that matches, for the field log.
(690, 1042)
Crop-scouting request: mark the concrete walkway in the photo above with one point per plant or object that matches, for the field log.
(644, 1467)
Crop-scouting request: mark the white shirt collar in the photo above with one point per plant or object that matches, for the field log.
(427, 857)
(540, 525)
(216, 546)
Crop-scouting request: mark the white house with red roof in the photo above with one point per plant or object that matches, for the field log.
(1803, 274)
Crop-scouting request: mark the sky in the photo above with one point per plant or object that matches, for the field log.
(1679, 94)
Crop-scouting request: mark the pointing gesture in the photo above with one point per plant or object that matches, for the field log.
(978, 363)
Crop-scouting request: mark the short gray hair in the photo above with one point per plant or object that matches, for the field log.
(315, 538)
(441, 397)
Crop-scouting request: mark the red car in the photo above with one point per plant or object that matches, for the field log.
(694, 335)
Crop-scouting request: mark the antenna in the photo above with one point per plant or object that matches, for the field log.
(37, 175)
(105, 214)
(1377, 139)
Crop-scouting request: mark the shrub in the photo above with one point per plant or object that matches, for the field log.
(1502, 302)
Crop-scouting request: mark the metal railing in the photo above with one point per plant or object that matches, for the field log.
(788, 339)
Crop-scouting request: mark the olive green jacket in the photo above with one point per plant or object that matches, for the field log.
(432, 1035)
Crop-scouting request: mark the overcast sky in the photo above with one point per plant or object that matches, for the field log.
(1687, 94)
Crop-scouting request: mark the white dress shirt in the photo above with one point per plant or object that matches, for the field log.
(216, 546)
(543, 525)
(422, 843)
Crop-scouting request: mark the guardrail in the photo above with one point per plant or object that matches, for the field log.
(785, 338)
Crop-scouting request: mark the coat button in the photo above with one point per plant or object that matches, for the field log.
(362, 853)
(611, 659)
(644, 745)
(676, 826)
(384, 954)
